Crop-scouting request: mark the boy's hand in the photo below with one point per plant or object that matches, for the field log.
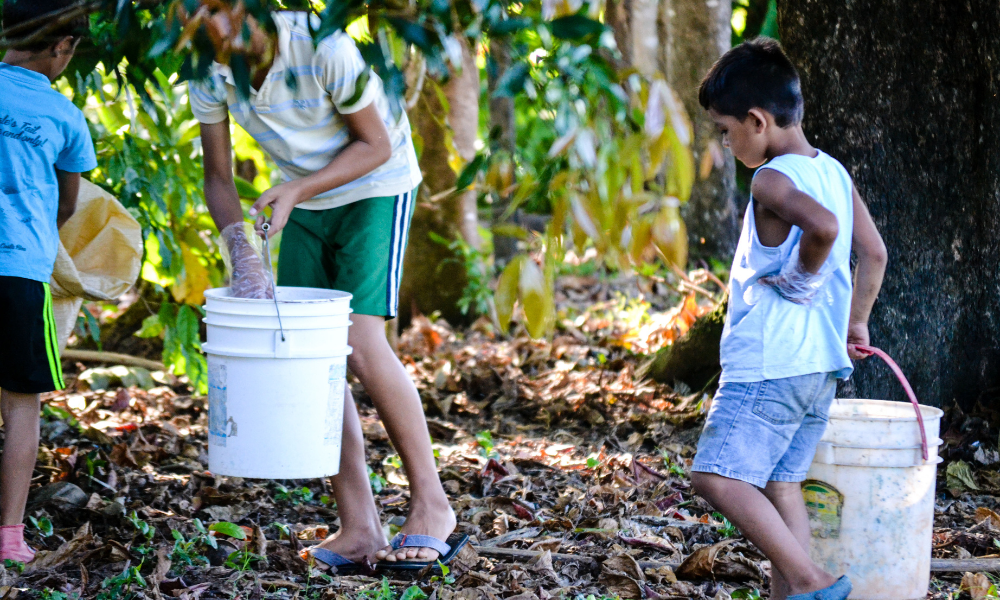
(857, 335)
(282, 199)
(794, 283)
(248, 278)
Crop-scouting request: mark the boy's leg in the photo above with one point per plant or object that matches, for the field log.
(29, 365)
(786, 498)
(751, 431)
(20, 450)
(760, 522)
(398, 404)
(784, 489)
(360, 534)
(359, 248)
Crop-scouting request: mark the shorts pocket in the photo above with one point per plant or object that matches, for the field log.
(779, 410)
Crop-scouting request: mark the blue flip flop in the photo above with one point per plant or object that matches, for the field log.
(342, 564)
(840, 590)
(447, 549)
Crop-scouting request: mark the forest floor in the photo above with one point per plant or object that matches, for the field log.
(568, 472)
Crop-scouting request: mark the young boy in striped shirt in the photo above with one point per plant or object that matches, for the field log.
(351, 176)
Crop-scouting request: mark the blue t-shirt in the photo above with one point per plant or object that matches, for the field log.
(40, 131)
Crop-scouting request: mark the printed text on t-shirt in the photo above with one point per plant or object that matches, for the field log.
(24, 131)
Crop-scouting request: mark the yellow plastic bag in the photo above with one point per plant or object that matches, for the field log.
(100, 255)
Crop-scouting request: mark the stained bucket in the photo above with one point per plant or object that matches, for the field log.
(276, 386)
(870, 496)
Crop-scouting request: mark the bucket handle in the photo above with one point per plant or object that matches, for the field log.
(869, 350)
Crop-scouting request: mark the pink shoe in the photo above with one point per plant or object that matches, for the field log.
(12, 544)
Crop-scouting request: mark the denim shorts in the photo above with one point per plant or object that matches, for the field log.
(766, 430)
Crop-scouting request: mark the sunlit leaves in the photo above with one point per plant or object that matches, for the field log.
(506, 293)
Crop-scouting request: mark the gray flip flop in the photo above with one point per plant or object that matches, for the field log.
(448, 549)
(342, 564)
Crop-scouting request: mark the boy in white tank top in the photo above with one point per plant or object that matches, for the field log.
(794, 316)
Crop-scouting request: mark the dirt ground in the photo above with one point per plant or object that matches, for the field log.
(568, 472)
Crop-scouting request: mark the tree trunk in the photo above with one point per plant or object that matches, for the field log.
(907, 100)
(503, 139)
(433, 275)
(680, 40)
(695, 34)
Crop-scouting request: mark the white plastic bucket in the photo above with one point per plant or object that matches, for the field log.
(276, 398)
(870, 497)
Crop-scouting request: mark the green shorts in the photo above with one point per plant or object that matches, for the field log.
(356, 248)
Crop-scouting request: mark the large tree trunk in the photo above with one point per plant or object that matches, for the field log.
(680, 40)
(907, 100)
(433, 275)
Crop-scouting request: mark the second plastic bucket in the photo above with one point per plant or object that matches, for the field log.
(276, 394)
(870, 498)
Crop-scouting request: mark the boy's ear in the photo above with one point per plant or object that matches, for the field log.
(759, 119)
(64, 46)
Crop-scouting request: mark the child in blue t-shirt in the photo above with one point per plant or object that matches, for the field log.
(794, 317)
(44, 146)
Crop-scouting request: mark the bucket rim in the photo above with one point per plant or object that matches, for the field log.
(931, 444)
(221, 294)
(207, 349)
(925, 410)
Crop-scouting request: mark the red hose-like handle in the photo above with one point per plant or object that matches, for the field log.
(869, 350)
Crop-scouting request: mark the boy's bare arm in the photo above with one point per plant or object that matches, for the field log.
(872, 259)
(819, 226)
(69, 189)
(220, 188)
(369, 149)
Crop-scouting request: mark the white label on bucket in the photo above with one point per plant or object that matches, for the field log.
(217, 417)
(335, 405)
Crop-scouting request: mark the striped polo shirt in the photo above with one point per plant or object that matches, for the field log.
(300, 125)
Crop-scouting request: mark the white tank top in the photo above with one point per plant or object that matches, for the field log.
(768, 337)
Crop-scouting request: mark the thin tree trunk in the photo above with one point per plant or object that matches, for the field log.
(503, 139)
(908, 101)
(695, 34)
(433, 275)
(680, 40)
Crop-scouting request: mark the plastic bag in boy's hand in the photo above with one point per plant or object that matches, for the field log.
(247, 276)
(794, 283)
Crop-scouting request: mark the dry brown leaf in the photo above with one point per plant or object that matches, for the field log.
(622, 577)
(63, 554)
(700, 564)
(983, 513)
(977, 585)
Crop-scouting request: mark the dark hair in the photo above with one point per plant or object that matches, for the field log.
(16, 12)
(755, 74)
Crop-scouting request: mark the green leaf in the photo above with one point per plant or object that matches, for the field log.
(959, 477)
(231, 529)
(413, 593)
(151, 327)
(469, 172)
(575, 27)
(245, 189)
(509, 26)
(506, 294)
(535, 298)
(512, 82)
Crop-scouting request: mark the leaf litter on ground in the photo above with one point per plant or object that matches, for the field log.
(569, 474)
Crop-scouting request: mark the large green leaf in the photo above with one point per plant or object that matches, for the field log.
(575, 27)
(535, 296)
(231, 529)
(506, 295)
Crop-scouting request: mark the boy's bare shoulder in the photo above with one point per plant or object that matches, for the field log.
(770, 187)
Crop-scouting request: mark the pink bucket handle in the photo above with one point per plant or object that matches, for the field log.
(869, 350)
